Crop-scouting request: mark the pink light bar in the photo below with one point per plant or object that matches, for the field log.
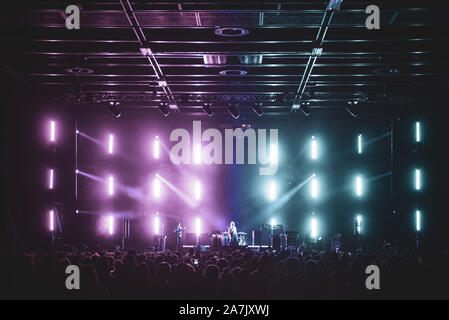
(197, 190)
(111, 144)
(111, 224)
(52, 220)
(156, 148)
(156, 187)
(198, 226)
(111, 185)
(50, 179)
(52, 131)
(197, 154)
(156, 224)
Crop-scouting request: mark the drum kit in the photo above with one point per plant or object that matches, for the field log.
(226, 240)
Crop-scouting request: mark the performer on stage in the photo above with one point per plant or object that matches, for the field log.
(178, 231)
(232, 232)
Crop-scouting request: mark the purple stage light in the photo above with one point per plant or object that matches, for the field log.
(157, 187)
(198, 226)
(197, 154)
(197, 190)
(52, 131)
(50, 179)
(52, 220)
(111, 225)
(157, 224)
(111, 185)
(111, 144)
(156, 148)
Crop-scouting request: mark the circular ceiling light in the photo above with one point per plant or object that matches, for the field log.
(233, 72)
(79, 71)
(231, 32)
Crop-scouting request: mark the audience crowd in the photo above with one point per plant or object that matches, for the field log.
(228, 274)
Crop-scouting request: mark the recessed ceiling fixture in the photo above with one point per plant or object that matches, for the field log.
(233, 72)
(231, 32)
(79, 71)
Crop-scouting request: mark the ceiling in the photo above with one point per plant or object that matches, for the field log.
(277, 65)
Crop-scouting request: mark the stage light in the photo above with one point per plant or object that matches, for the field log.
(274, 154)
(208, 110)
(156, 187)
(358, 186)
(359, 224)
(52, 220)
(77, 171)
(273, 223)
(314, 148)
(156, 147)
(359, 143)
(232, 110)
(272, 190)
(418, 220)
(164, 109)
(198, 226)
(305, 108)
(111, 185)
(257, 108)
(197, 190)
(50, 179)
(350, 107)
(418, 131)
(313, 228)
(52, 131)
(418, 179)
(111, 144)
(113, 107)
(197, 154)
(111, 225)
(314, 187)
(157, 224)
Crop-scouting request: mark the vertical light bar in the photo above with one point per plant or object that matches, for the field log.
(274, 154)
(52, 131)
(198, 226)
(358, 186)
(197, 190)
(52, 220)
(359, 224)
(272, 190)
(418, 179)
(314, 148)
(418, 131)
(111, 144)
(314, 187)
(359, 144)
(156, 187)
(418, 220)
(314, 228)
(272, 222)
(157, 224)
(156, 148)
(50, 179)
(111, 185)
(111, 225)
(197, 154)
